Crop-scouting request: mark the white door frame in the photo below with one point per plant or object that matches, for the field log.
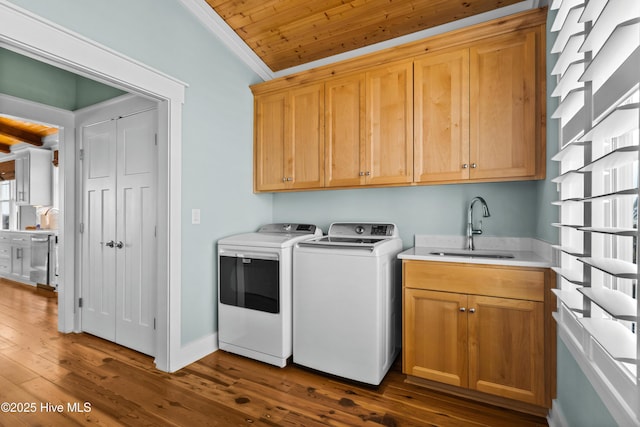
(33, 36)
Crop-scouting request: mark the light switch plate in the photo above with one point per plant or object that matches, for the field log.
(195, 216)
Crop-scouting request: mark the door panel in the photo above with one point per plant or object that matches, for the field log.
(435, 336)
(136, 219)
(389, 124)
(503, 107)
(344, 139)
(506, 348)
(441, 123)
(306, 146)
(271, 134)
(98, 260)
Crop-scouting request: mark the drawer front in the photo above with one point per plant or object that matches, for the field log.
(5, 266)
(491, 280)
(5, 250)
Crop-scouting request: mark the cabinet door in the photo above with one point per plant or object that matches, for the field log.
(22, 179)
(506, 348)
(503, 106)
(441, 117)
(344, 131)
(271, 135)
(21, 259)
(389, 124)
(306, 145)
(435, 336)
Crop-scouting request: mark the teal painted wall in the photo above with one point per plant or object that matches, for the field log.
(437, 209)
(217, 127)
(36, 81)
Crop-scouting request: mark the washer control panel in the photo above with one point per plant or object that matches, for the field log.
(362, 229)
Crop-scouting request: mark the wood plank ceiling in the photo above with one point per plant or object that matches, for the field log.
(17, 131)
(287, 33)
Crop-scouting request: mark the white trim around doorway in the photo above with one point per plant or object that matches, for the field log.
(33, 36)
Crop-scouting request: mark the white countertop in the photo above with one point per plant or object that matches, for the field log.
(526, 252)
(41, 231)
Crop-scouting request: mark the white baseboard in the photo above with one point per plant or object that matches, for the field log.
(556, 417)
(194, 351)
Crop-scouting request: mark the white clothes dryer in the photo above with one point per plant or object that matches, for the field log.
(254, 291)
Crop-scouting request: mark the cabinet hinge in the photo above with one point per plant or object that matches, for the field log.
(81, 154)
(79, 302)
(154, 323)
(81, 227)
(156, 139)
(155, 231)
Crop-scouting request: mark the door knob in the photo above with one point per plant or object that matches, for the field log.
(119, 245)
(110, 243)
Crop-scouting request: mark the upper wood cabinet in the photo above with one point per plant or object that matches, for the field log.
(472, 108)
(345, 131)
(505, 98)
(441, 122)
(289, 139)
(369, 127)
(479, 111)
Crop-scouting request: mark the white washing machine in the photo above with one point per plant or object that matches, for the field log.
(347, 301)
(254, 291)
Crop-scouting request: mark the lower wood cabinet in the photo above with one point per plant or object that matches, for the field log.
(480, 329)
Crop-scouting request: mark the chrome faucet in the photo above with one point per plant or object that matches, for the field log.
(470, 230)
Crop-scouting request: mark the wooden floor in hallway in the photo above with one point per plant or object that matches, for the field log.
(53, 379)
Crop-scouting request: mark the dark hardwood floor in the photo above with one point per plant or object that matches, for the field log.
(54, 379)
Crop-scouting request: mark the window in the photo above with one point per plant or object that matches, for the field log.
(597, 67)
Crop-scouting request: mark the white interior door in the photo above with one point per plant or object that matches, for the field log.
(118, 240)
(99, 209)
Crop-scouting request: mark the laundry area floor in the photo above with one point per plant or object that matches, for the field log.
(49, 378)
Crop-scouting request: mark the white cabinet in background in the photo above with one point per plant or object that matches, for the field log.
(21, 257)
(33, 177)
(5, 255)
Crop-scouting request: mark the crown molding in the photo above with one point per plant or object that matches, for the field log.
(216, 25)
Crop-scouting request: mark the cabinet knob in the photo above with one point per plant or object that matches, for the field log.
(463, 309)
(290, 179)
(119, 245)
(110, 243)
(472, 310)
(368, 173)
(465, 166)
(473, 165)
(361, 174)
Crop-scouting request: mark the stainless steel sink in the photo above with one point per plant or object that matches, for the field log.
(473, 254)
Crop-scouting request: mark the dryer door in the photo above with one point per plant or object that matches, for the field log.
(250, 280)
